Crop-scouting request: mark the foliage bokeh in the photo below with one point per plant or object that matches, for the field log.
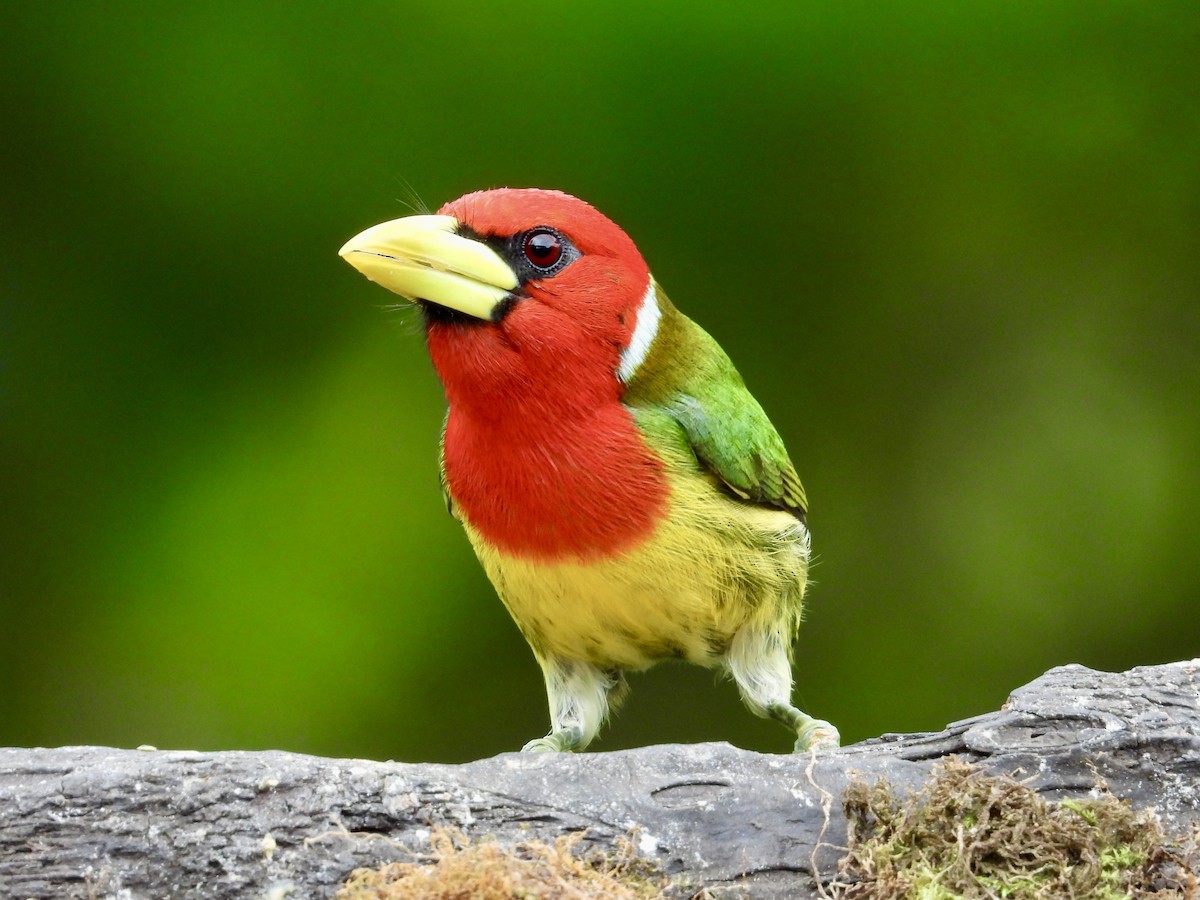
(953, 248)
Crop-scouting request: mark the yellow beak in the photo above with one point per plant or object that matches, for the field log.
(424, 258)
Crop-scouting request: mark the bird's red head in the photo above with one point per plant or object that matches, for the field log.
(537, 309)
(558, 336)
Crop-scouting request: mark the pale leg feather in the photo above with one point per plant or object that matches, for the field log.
(759, 662)
(577, 693)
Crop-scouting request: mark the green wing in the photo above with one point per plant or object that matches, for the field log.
(732, 436)
(691, 378)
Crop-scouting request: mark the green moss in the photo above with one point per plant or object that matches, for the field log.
(969, 835)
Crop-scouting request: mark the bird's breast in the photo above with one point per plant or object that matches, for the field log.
(581, 488)
(711, 566)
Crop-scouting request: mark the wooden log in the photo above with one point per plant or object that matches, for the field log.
(93, 822)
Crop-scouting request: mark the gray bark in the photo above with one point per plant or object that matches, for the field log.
(129, 824)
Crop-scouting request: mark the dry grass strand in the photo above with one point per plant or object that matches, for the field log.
(461, 869)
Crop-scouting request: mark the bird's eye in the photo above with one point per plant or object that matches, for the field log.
(543, 248)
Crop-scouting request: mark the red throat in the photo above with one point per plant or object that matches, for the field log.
(574, 491)
(541, 457)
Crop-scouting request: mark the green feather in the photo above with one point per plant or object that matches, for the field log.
(446, 498)
(689, 376)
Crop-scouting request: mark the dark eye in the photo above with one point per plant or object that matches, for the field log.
(543, 248)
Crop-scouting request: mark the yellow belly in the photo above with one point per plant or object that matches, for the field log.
(713, 565)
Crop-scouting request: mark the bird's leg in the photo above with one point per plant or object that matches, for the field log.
(811, 734)
(578, 696)
(758, 660)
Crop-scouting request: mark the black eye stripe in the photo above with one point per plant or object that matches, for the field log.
(512, 250)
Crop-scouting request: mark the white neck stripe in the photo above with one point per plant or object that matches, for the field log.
(635, 354)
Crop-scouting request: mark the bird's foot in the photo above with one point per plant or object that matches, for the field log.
(562, 740)
(817, 734)
(811, 734)
(541, 745)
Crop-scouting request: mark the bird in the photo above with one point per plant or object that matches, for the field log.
(628, 498)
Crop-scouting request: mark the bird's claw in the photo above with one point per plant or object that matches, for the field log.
(541, 745)
(560, 740)
(817, 734)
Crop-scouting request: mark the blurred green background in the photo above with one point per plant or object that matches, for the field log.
(954, 249)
